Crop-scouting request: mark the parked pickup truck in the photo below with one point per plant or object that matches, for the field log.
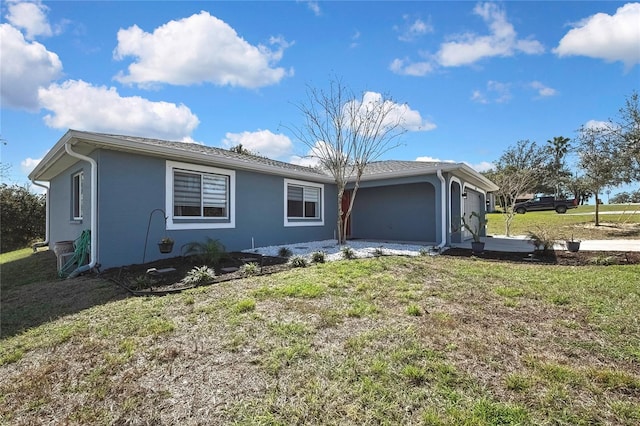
(544, 203)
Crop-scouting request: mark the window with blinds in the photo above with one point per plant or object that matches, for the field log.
(303, 202)
(76, 196)
(197, 194)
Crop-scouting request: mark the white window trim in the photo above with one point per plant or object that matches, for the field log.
(199, 223)
(302, 221)
(80, 176)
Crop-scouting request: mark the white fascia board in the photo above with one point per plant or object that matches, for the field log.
(116, 143)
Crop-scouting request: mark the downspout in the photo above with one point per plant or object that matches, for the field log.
(443, 203)
(94, 211)
(46, 209)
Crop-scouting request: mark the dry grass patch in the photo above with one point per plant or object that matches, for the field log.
(392, 340)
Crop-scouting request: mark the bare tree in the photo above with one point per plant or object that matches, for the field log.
(517, 172)
(346, 133)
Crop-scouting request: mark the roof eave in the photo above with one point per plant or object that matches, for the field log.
(108, 142)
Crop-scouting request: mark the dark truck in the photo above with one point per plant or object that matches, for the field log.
(544, 203)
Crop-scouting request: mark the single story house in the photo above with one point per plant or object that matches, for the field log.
(132, 191)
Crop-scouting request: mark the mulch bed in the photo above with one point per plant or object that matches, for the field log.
(560, 257)
(131, 276)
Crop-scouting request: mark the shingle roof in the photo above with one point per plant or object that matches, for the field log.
(392, 166)
(216, 152)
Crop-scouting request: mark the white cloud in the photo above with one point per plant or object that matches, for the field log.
(408, 118)
(197, 49)
(496, 92)
(262, 142)
(412, 29)
(543, 91)
(312, 158)
(428, 159)
(79, 105)
(313, 6)
(597, 124)
(602, 36)
(482, 166)
(406, 67)
(25, 66)
(354, 39)
(28, 164)
(466, 49)
(30, 17)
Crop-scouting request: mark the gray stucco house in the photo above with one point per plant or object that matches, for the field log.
(112, 185)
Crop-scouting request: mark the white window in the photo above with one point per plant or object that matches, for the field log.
(199, 197)
(303, 203)
(76, 196)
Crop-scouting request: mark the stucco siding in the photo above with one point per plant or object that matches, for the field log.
(62, 226)
(131, 187)
(404, 212)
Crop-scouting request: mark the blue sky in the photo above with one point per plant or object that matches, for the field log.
(474, 77)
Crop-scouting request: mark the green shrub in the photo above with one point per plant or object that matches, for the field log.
(318, 257)
(541, 239)
(23, 217)
(199, 275)
(298, 262)
(249, 269)
(209, 252)
(347, 253)
(284, 252)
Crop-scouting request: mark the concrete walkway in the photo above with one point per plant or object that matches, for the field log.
(520, 244)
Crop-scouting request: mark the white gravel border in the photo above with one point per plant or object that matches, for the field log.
(361, 249)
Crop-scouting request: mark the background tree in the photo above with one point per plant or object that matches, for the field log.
(628, 134)
(346, 133)
(609, 152)
(517, 171)
(599, 159)
(555, 179)
(239, 149)
(578, 188)
(22, 217)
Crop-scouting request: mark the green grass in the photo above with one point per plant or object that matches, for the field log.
(578, 222)
(393, 340)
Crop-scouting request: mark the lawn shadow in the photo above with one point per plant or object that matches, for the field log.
(32, 294)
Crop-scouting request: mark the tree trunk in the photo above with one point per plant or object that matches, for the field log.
(597, 210)
(340, 235)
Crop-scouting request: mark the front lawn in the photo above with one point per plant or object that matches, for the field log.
(394, 340)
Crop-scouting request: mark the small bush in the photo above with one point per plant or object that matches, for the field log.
(318, 257)
(378, 252)
(348, 253)
(285, 252)
(424, 251)
(249, 269)
(209, 252)
(541, 239)
(298, 262)
(199, 275)
(142, 282)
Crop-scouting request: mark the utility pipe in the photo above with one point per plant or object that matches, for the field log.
(443, 209)
(46, 209)
(94, 211)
